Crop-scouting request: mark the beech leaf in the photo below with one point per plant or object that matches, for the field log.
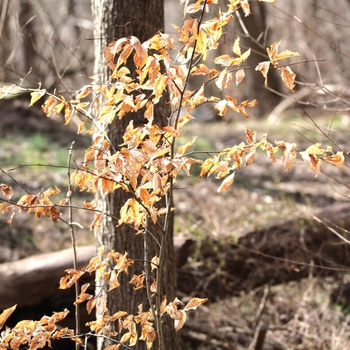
(7, 191)
(288, 77)
(240, 74)
(6, 314)
(194, 303)
(36, 96)
(336, 159)
(226, 183)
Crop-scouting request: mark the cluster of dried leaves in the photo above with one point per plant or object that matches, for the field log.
(33, 334)
(147, 163)
(145, 318)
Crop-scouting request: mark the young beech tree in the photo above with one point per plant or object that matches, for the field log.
(141, 19)
(133, 163)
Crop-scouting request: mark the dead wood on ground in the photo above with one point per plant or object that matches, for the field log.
(286, 251)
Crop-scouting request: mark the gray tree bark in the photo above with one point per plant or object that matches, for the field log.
(112, 20)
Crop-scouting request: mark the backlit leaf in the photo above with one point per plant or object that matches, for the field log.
(201, 69)
(138, 281)
(288, 77)
(153, 286)
(68, 113)
(224, 60)
(125, 338)
(71, 277)
(149, 112)
(263, 67)
(289, 155)
(226, 183)
(240, 74)
(244, 57)
(315, 149)
(123, 57)
(118, 315)
(49, 105)
(286, 54)
(194, 303)
(272, 51)
(250, 157)
(183, 149)
(83, 296)
(224, 79)
(206, 166)
(108, 185)
(236, 48)
(97, 221)
(57, 110)
(201, 45)
(192, 8)
(8, 90)
(141, 56)
(83, 93)
(154, 262)
(7, 191)
(111, 51)
(81, 127)
(113, 282)
(6, 314)
(250, 136)
(221, 106)
(336, 159)
(36, 96)
(180, 321)
(245, 8)
(313, 161)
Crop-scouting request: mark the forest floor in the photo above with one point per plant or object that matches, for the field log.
(295, 315)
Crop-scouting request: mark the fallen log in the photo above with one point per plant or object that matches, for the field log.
(28, 281)
(279, 253)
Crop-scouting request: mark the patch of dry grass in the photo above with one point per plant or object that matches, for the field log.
(296, 316)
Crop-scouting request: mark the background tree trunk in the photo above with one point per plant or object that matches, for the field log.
(115, 19)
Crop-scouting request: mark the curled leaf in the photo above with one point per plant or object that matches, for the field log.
(36, 96)
(194, 303)
(288, 77)
(263, 68)
(336, 159)
(313, 161)
(226, 183)
(7, 191)
(240, 74)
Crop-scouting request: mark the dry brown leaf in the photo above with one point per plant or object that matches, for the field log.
(336, 159)
(226, 183)
(7, 191)
(6, 314)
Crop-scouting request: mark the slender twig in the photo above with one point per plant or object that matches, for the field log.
(3, 17)
(331, 229)
(148, 286)
(261, 305)
(74, 247)
(14, 180)
(159, 291)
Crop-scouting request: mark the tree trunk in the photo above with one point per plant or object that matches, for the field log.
(116, 19)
